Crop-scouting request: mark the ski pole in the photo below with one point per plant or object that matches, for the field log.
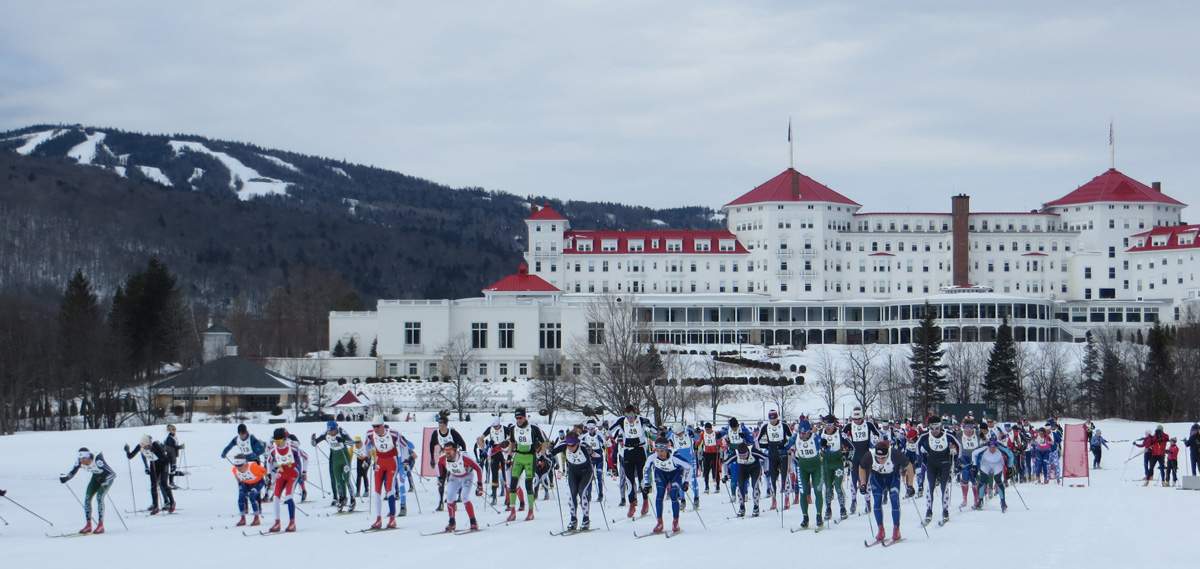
(1014, 487)
(187, 478)
(132, 493)
(30, 512)
(558, 498)
(74, 495)
(918, 510)
(3, 520)
(695, 511)
(320, 475)
(118, 512)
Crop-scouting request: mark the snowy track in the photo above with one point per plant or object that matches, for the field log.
(1113, 523)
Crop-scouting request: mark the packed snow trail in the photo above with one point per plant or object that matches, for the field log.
(1114, 523)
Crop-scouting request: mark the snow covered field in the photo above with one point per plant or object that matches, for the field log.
(1114, 523)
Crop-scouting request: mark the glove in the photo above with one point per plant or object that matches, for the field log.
(346, 469)
(911, 492)
(479, 491)
(3, 493)
(126, 449)
(62, 478)
(147, 472)
(645, 488)
(862, 489)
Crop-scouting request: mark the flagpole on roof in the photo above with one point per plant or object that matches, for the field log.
(1112, 146)
(791, 153)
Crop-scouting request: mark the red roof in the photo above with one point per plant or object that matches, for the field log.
(521, 281)
(791, 186)
(1113, 186)
(545, 213)
(1172, 233)
(687, 237)
(348, 399)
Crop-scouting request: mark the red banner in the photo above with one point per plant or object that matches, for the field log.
(426, 469)
(1075, 451)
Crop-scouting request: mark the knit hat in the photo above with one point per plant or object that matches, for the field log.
(571, 440)
(882, 448)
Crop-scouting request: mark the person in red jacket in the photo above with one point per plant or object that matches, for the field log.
(1172, 474)
(1154, 445)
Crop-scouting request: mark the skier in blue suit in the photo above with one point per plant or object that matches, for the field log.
(670, 475)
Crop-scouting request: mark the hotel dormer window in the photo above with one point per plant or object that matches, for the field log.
(608, 245)
(674, 245)
(637, 245)
(703, 245)
(584, 245)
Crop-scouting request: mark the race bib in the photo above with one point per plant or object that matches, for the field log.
(859, 433)
(384, 443)
(456, 468)
(633, 430)
(835, 442)
(710, 439)
(938, 444)
(682, 441)
(775, 432)
(885, 467)
(971, 442)
(577, 456)
(735, 437)
(523, 436)
(806, 448)
(664, 465)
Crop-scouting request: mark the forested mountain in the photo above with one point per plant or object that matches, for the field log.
(233, 220)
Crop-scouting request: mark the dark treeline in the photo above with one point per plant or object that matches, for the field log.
(78, 360)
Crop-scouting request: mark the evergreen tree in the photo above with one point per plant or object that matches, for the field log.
(1089, 376)
(1158, 377)
(352, 348)
(339, 350)
(928, 371)
(80, 335)
(374, 348)
(1001, 385)
(1114, 384)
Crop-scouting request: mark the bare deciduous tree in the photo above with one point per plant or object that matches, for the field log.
(612, 378)
(965, 362)
(862, 375)
(827, 381)
(459, 393)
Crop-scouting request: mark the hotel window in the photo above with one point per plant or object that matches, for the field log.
(412, 333)
(479, 335)
(550, 335)
(507, 335)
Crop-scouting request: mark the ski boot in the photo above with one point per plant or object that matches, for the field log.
(353, 504)
(622, 504)
(920, 492)
(171, 508)
(696, 503)
(241, 521)
(571, 525)
(645, 505)
(1003, 506)
(529, 514)
(787, 504)
(842, 513)
(879, 534)
(741, 510)
(403, 510)
(895, 534)
(773, 503)
(440, 507)
(291, 527)
(274, 527)
(474, 525)
(755, 513)
(804, 522)
(450, 526)
(820, 521)
(378, 523)
(512, 514)
(945, 515)
(391, 522)
(335, 503)
(257, 521)
(99, 529)
(853, 506)
(658, 528)
(928, 515)
(632, 508)
(154, 510)
(585, 524)
(87, 528)
(675, 525)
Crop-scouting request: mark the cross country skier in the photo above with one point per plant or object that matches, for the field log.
(913, 453)
(246, 445)
(339, 442)
(1097, 444)
(634, 432)
(174, 447)
(862, 435)
(938, 450)
(441, 437)
(833, 443)
(883, 470)
(284, 460)
(102, 479)
(807, 448)
(524, 439)
(710, 447)
(966, 469)
(596, 441)
(492, 441)
(745, 467)
(1155, 446)
(580, 472)
(773, 437)
(992, 462)
(683, 444)
(543, 468)
(463, 477)
(156, 462)
(389, 449)
(301, 461)
(733, 435)
(669, 475)
(362, 468)
(250, 478)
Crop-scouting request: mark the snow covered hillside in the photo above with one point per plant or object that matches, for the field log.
(1114, 523)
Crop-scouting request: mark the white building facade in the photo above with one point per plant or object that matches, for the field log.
(798, 263)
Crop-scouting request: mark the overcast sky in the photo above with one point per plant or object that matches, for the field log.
(654, 103)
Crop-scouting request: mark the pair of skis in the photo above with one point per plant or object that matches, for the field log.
(883, 542)
(70, 534)
(569, 532)
(667, 534)
(453, 532)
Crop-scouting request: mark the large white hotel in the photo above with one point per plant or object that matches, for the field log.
(799, 263)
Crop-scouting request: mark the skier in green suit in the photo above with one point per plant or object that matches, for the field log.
(524, 439)
(340, 443)
(809, 470)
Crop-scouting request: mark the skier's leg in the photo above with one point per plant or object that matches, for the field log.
(895, 499)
